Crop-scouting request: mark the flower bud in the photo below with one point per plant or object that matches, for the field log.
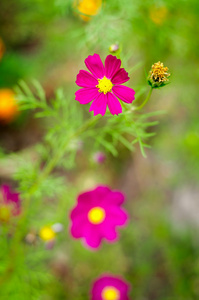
(57, 227)
(99, 157)
(113, 48)
(158, 75)
(31, 237)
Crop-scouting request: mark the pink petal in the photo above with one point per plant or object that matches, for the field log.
(5, 190)
(114, 198)
(86, 95)
(92, 236)
(99, 105)
(77, 227)
(120, 77)
(9, 196)
(81, 209)
(85, 79)
(116, 216)
(113, 104)
(100, 193)
(112, 65)
(95, 65)
(124, 93)
(86, 198)
(109, 233)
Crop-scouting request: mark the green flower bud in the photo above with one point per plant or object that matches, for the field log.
(113, 48)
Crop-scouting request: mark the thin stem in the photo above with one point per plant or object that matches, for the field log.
(59, 154)
(145, 101)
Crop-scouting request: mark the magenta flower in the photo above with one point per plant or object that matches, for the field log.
(109, 287)
(103, 86)
(96, 215)
(10, 203)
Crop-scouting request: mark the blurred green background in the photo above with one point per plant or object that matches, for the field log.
(158, 253)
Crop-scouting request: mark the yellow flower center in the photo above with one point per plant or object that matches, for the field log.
(110, 293)
(47, 233)
(104, 85)
(96, 215)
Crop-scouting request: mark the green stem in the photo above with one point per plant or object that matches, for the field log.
(145, 101)
(59, 154)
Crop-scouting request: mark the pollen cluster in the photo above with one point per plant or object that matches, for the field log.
(110, 293)
(96, 215)
(104, 85)
(159, 73)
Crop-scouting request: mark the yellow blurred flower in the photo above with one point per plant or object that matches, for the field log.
(2, 48)
(5, 213)
(87, 8)
(8, 106)
(158, 14)
(47, 233)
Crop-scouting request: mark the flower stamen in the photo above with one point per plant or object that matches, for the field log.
(159, 72)
(104, 85)
(96, 215)
(110, 293)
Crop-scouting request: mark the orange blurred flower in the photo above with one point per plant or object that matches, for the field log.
(158, 14)
(87, 8)
(8, 106)
(2, 48)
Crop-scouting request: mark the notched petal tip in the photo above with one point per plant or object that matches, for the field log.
(86, 79)
(112, 65)
(124, 93)
(86, 95)
(113, 104)
(121, 76)
(95, 65)
(99, 105)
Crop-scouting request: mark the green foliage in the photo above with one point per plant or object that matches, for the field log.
(47, 40)
(62, 113)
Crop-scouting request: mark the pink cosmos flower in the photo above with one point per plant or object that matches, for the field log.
(109, 287)
(103, 86)
(10, 203)
(96, 215)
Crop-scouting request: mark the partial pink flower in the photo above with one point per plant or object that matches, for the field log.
(96, 216)
(10, 203)
(103, 85)
(108, 287)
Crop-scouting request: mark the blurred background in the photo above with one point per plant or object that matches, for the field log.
(48, 40)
